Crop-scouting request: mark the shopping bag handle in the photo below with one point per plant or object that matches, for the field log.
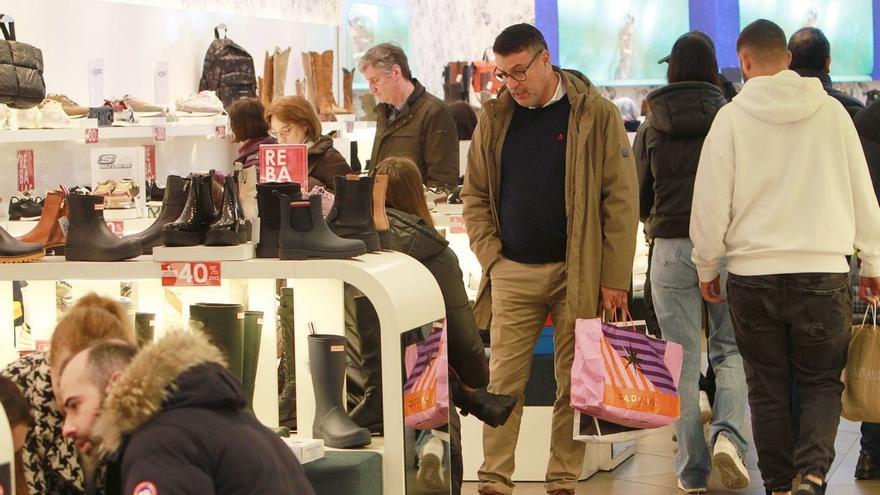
(873, 309)
(625, 314)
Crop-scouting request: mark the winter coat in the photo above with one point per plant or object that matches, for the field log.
(249, 151)
(868, 124)
(852, 105)
(424, 132)
(325, 163)
(601, 197)
(411, 236)
(51, 462)
(667, 152)
(175, 421)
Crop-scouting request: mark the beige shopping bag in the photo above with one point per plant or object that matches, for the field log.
(861, 397)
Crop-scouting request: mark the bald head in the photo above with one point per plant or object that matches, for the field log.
(810, 49)
(762, 49)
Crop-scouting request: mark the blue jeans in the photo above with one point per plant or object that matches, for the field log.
(679, 307)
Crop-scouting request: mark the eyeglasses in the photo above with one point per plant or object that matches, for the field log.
(516, 75)
(284, 130)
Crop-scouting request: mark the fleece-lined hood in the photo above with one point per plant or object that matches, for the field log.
(182, 370)
(783, 98)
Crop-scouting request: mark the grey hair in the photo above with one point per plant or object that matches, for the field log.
(385, 56)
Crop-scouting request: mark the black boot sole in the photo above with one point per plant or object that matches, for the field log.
(89, 254)
(371, 239)
(182, 239)
(350, 441)
(294, 254)
(222, 238)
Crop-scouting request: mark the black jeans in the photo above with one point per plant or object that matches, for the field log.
(871, 438)
(793, 330)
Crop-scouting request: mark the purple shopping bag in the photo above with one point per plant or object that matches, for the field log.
(426, 392)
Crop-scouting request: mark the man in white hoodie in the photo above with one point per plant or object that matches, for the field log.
(783, 191)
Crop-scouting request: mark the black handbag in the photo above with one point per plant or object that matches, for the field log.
(21, 69)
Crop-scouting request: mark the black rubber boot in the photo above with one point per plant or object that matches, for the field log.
(352, 214)
(172, 206)
(304, 233)
(89, 238)
(224, 326)
(270, 214)
(369, 412)
(229, 229)
(332, 424)
(144, 328)
(14, 251)
(253, 332)
(491, 409)
(198, 213)
(287, 369)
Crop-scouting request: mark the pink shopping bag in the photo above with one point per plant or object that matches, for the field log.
(426, 392)
(623, 376)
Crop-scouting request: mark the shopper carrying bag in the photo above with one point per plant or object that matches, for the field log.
(21, 69)
(861, 377)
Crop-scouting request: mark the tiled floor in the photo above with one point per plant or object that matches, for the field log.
(649, 472)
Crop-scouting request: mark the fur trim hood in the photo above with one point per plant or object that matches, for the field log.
(153, 382)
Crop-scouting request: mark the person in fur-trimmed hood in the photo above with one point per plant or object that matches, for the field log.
(172, 420)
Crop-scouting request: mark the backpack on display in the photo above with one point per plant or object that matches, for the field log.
(21, 69)
(229, 70)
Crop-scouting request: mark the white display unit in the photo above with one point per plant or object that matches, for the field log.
(403, 292)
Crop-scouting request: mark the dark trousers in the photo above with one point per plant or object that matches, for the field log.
(871, 438)
(793, 330)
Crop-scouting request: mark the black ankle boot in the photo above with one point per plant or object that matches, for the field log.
(270, 214)
(198, 213)
(807, 487)
(352, 214)
(89, 238)
(14, 251)
(492, 409)
(304, 233)
(230, 228)
(868, 467)
(172, 206)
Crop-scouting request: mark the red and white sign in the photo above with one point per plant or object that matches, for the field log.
(220, 132)
(25, 170)
(92, 135)
(160, 133)
(191, 274)
(456, 224)
(149, 162)
(285, 163)
(115, 226)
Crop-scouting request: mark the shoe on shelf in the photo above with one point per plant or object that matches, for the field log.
(201, 102)
(80, 190)
(153, 191)
(14, 251)
(809, 487)
(123, 196)
(48, 231)
(70, 107)
(28, 118)
(197, 215)
(304, 233)
(104, 188)
(52, 115)
(728, 461)
(868, 467)
(89, 238)
(25, 207)
(122, 112)
(695, 490)
(141, 106)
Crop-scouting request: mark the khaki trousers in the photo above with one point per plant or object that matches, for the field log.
(522, 296)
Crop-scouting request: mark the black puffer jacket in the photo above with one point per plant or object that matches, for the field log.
(410, 235)
(868, 124)
(851, 104)
(667, 150)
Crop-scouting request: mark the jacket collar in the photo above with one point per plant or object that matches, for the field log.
(818, 74)
(413, 237)
(407, 106)
(147, 383)
(577, 87)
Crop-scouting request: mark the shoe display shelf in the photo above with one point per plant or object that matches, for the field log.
(185, 127)
(403, 292)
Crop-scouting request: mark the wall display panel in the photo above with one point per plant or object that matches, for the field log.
(620, 42)
(369, 24)
(848, 24)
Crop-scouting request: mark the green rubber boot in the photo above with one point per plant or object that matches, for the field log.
(224, 325)
(287, 370)
(144, 328)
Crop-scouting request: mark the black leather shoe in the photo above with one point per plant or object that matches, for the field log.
(868, 467)
(172, 206)
(230, 228)
(198, 214)
(491, 409)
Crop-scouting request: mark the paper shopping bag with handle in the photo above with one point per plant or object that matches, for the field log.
(861, 397)
(426, 392)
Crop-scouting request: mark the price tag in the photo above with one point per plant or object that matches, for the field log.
(92, 136)
(116, 227)
(220, 132)
(191, 274)
(456, 224)
(25, 170)
(149, 162)
(284, 163)
(159, 133)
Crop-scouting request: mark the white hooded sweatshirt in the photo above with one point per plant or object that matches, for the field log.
(783, 186)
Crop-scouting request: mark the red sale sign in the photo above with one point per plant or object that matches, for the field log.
(149, 162)
(25, 170)
(159, 134)
(116, 226)
(220, 132)
(191, 274)
(92, 136)
(285, 163)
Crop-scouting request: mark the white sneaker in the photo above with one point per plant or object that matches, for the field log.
(203, 102)
(729, 463)
(705, 407)
(430, 473)
(28, 119)
(52, 115)
(691, 490)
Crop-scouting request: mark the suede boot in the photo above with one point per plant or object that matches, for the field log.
(280, 60)
(224, 326)
(327, 365)
(347, 91)
(89, 238)
(304, 233)
(270, 214)
(172, 206)
(352, 214)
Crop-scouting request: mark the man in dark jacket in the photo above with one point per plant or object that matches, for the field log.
(811, 57)
(172, 420)
(412, 123)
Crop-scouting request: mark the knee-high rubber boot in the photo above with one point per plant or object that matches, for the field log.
(144, 328)
(253, 332)
(369, 412)
(224, 325)
(332, 424)
(287, 369)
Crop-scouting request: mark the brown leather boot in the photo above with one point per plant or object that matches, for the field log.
(48, 231)
(280, 59)
(380, 187)
(268, 86)
(310, 76)
(347, 91)
(326, 100)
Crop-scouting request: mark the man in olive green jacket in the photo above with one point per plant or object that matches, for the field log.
(551, 209)
(412, 123)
